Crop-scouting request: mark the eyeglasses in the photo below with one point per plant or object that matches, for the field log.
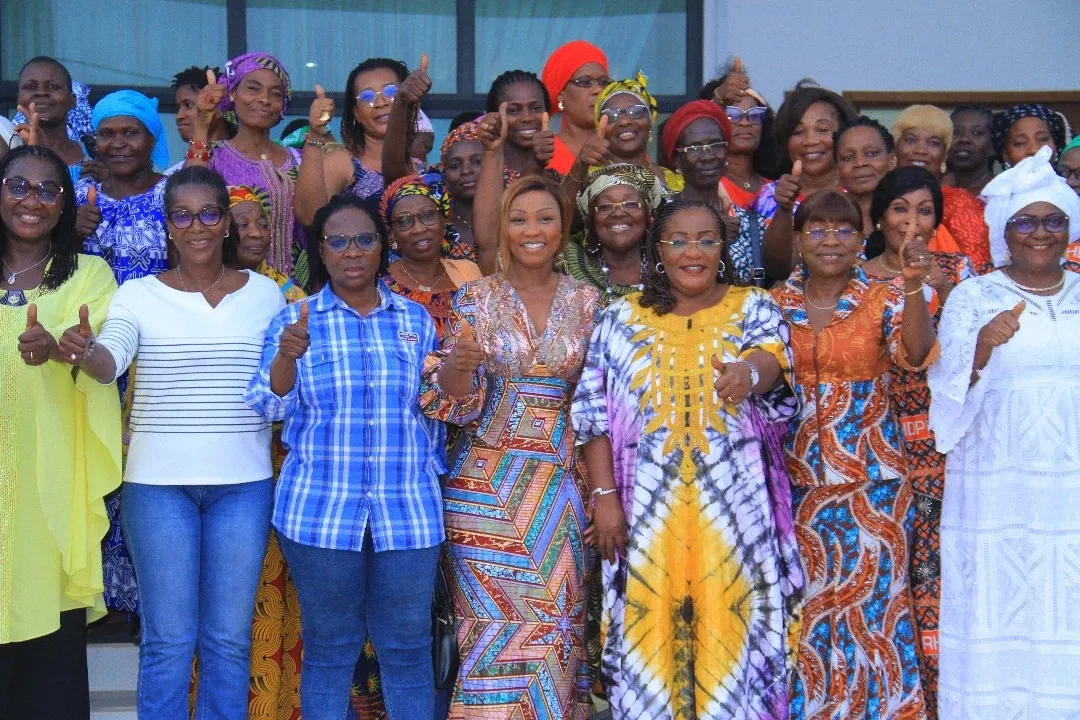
(681, 244)
(756, 115)
(844, 234)
(368, 97)
(626, 205)
(405, 221)
(1070, 174)
(47, 193)
(340, 243)
(1027, 224)
(209, 216)
(696, 152)
(585, 82)
(634, 112)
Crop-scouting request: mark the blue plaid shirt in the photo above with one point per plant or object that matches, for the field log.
(360, 450)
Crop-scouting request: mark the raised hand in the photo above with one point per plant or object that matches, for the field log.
(210, 97)
(295, 339)
(417, 84)
(36, 345)
(543, 142)
(466, 355)
(733, 380)
(734, 87)
(594, 153)
(916, 260)
(493, 129)
(788, 187)
(88, 216)
(321, 112)
(94, 169)
(29, 131)
(75, 341)
(1001, 327)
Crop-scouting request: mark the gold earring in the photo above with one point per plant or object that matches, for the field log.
(878, 226)
(944, 167)
(561, 106)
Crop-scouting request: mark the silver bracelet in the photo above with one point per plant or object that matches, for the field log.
(755, 376)
(601, 491)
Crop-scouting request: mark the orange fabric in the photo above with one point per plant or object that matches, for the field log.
(943, 242)
(566, 61)
(563, 159)
(1073, 253)
(739, 195)
(963, 216)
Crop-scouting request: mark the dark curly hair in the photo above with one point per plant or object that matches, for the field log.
(193, 77)
(863, 121)
(894, 184)
(370, 207)
(656, 292)
(66, 246)
(352, 133)
(513, 77)
(805, 93)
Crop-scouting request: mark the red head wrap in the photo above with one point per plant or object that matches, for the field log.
(566, 61)
(687, 114)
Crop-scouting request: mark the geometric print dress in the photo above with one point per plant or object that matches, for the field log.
(515, 505)
(700, 610)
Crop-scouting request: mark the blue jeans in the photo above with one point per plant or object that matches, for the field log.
(198, 552)
(347, 595)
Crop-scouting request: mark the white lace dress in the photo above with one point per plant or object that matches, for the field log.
(1010, 524)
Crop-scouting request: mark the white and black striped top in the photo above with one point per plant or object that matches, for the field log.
(189, 422)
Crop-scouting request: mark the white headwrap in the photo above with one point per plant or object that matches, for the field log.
(1031, 180)
(423, 123)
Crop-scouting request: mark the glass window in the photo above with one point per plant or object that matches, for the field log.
(120, 42)
(322, 41)
(646, 35)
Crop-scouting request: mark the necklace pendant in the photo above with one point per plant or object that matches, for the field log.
(11, 279)
(264, 156)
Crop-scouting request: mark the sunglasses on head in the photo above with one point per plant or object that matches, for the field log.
(209, 216)
(634, 112)
(47, 192)
(340, 243)
(1027, 224)
(756, 115)
(368, 97)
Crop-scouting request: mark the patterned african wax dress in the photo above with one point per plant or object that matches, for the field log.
(910, 398)
(700, 613)
(962, 215)
(132, 240)
(515, 505)
(854, 508)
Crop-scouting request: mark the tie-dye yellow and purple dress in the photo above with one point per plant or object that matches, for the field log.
(700, 612)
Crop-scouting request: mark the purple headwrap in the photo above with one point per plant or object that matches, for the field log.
(240, 67)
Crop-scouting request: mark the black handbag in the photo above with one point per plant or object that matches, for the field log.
(444, 645)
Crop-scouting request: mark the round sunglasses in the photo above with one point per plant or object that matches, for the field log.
(209, 216)
(47, 192)
(1027, 224)
(364, 241)
(369, 96)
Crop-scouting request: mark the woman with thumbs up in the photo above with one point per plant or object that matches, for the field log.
(59, 443)
(1005, 410)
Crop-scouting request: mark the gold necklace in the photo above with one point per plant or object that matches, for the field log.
(208, 287)
(1051, 288)
(422, 287)
(887, 267)
(744, 183)
(811, 303)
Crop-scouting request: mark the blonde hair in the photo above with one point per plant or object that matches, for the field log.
(517, 188)
(929, 117)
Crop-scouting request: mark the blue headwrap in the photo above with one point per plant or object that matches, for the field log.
(143, 109)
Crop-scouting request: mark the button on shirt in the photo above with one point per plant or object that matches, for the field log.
(361, 452)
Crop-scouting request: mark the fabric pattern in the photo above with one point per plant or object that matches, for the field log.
(1010, 524)
(765, 202)
(962, 215)
(700, 613)
(366, 183)
(515, 505)
(853, 508)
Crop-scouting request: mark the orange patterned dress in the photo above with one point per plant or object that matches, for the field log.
(962, 214)
(853, 507)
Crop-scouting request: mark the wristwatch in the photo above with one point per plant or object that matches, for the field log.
(755, 376)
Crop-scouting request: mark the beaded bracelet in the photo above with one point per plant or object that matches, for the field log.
(309, 140)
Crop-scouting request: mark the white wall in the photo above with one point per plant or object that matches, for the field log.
(897, 44)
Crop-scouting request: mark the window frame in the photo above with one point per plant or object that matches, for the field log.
(438, 105)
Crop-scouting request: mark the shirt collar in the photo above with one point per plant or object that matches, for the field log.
(327, 300)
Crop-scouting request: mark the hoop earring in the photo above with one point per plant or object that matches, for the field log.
(561, 106)
(722, 269)
(592, 245)
(659, 267)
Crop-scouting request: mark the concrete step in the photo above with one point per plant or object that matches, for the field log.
(114, 672)
(112, 705)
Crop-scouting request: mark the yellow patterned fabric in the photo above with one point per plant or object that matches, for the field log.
(60, 457)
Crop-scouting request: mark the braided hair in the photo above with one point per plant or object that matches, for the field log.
(66, 246)
(656, 286)
(513, 77)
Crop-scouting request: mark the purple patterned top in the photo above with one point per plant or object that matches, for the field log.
(366, 182)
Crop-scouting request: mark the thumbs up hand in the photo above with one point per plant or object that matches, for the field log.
(543, 142)
(734, 381)
(915, 258)
(206, 106)
(493, 129)
(295, 339)
(77, 341)
(596, 151)
(467, 354)
(734, 87)
(321, 112)
(36, 345)
(29, 131)
(418, 84)
(88, 216)
(788, 188)
(1001, 327)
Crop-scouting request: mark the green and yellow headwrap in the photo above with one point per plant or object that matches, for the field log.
(636, 86)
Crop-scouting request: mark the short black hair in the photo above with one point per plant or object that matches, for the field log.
(513, 77)
(193, 76)
(805, 93)
(66, 246)
(370, 207)
(464, 117)
(864, 121)
(201, 176)
(352, 134)
(895, 183)
(986, 113)
(45, 59)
